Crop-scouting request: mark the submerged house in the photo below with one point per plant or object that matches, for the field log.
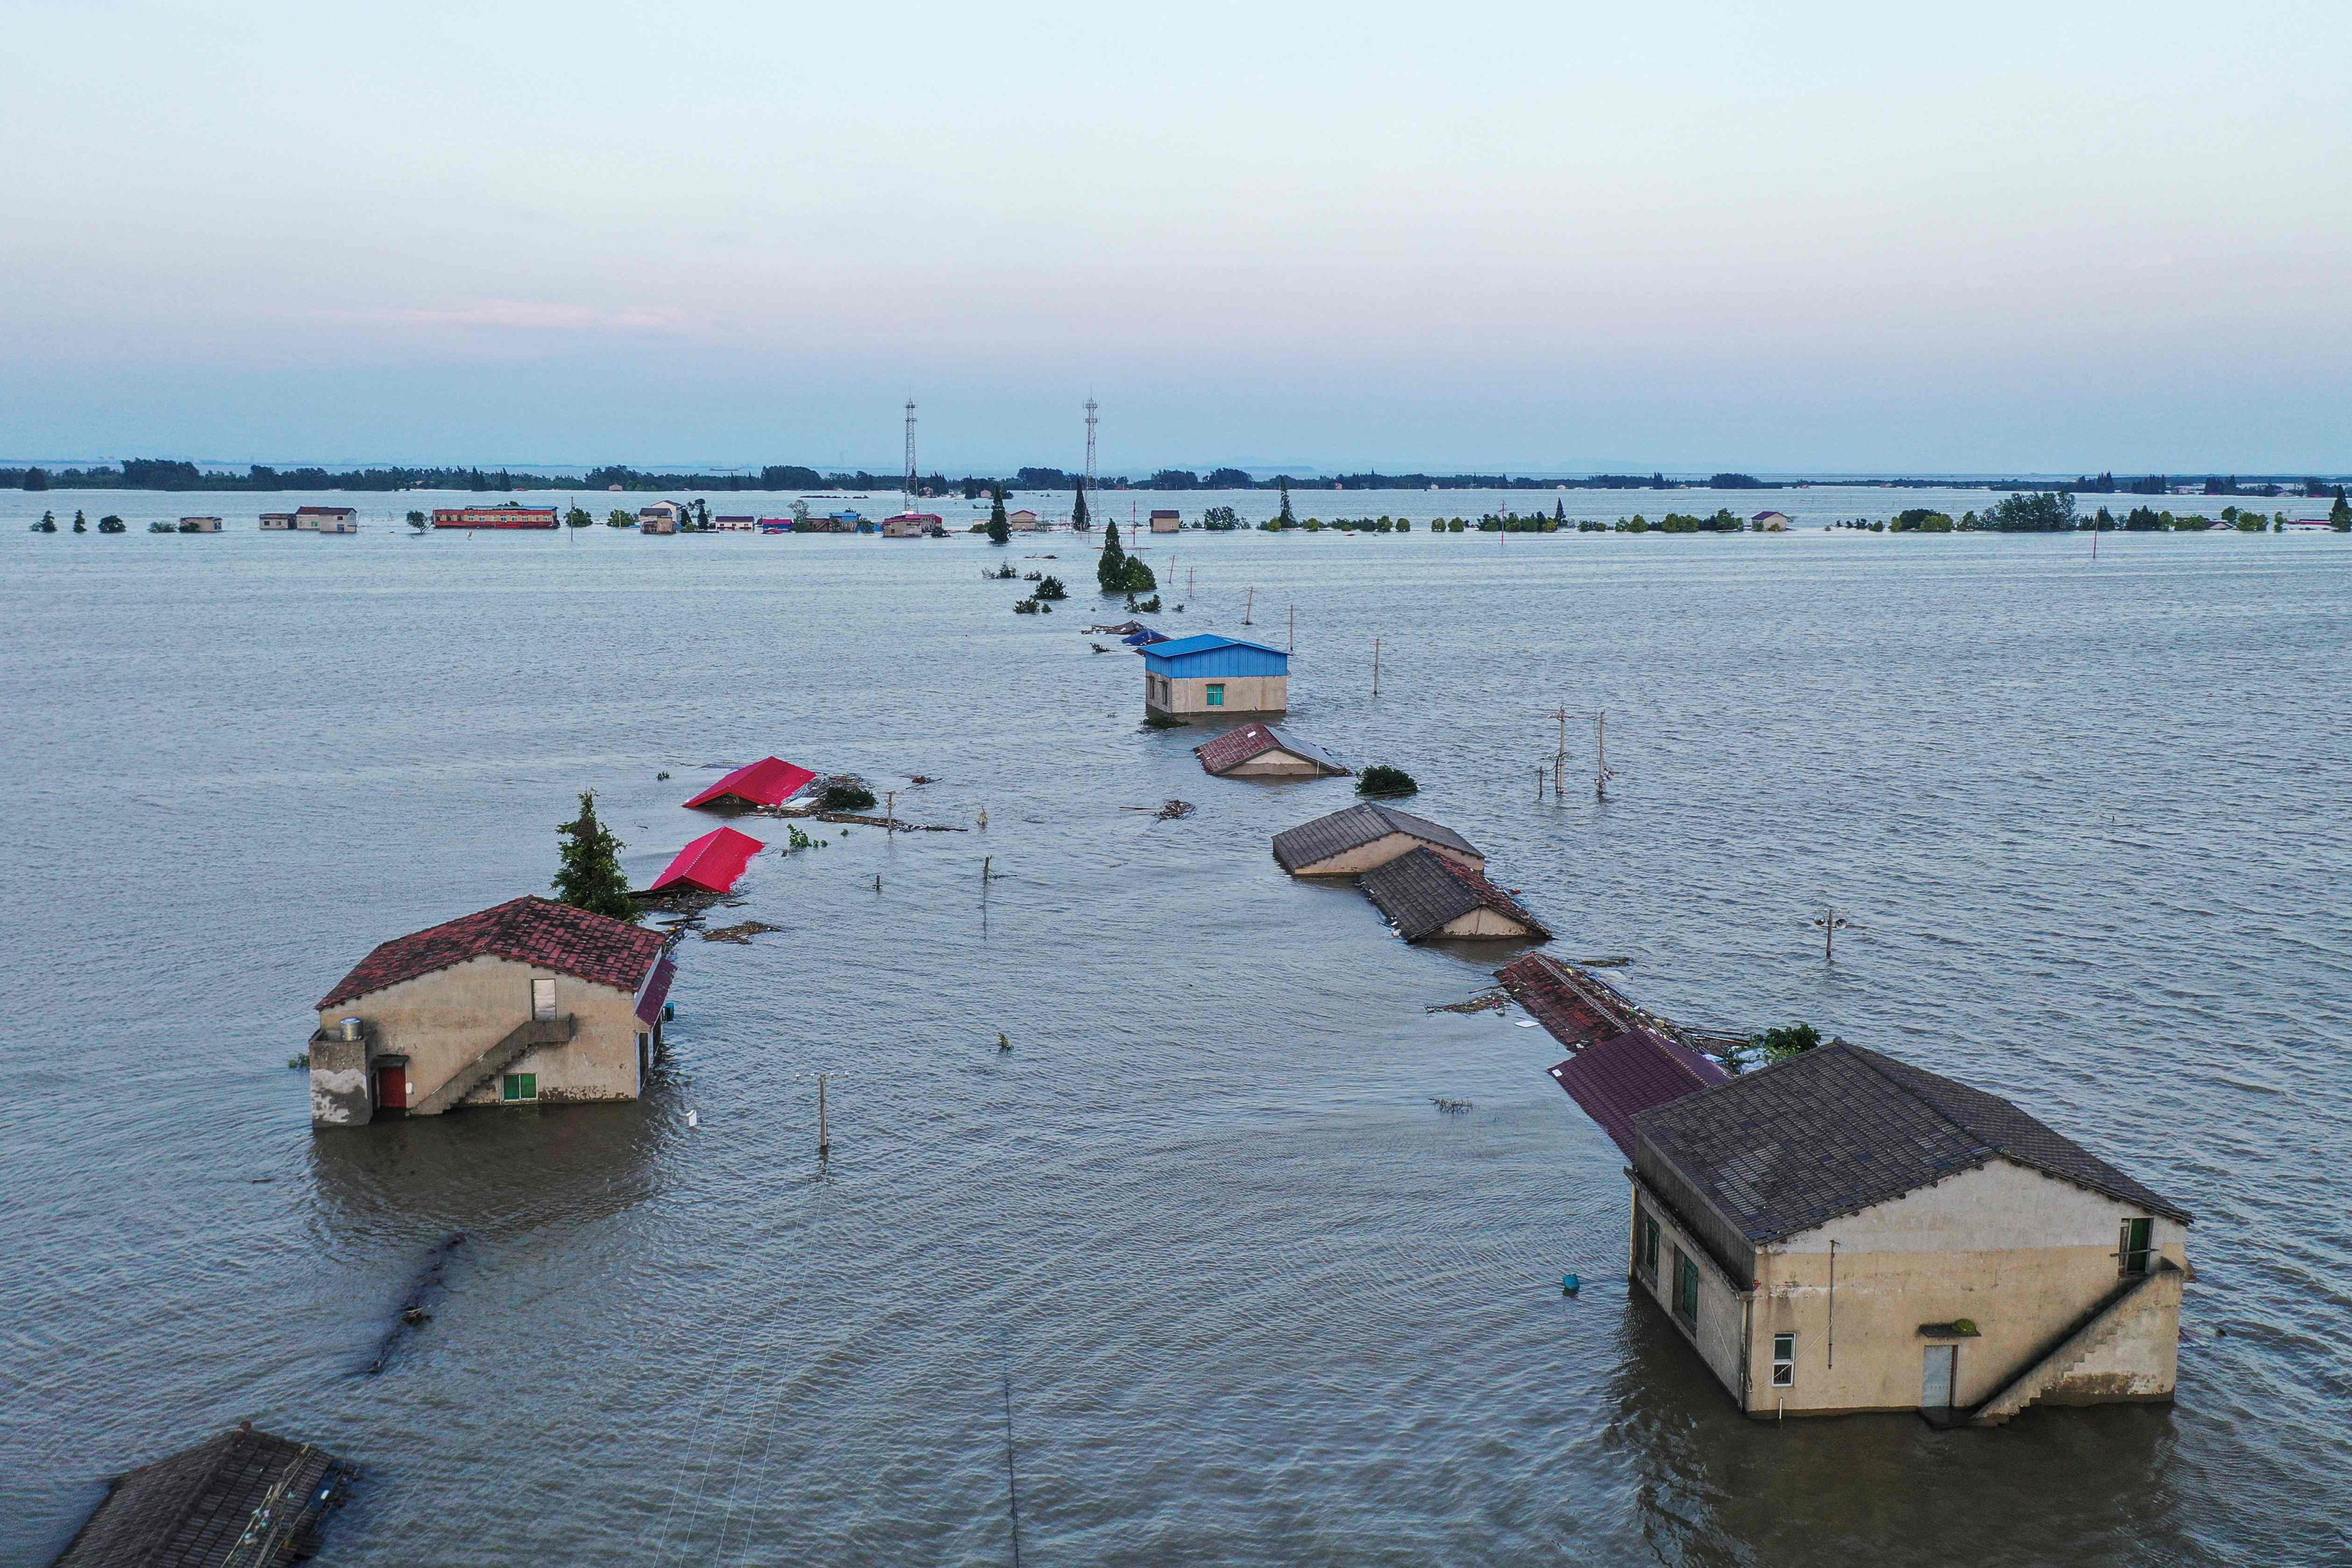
(245, 1498)
(1771, 522)
(912, 525)
(1842, 1231)
(711, 864)
(1213, 674)
(1165, 521)
(531, 1000)
(1261, 751)
(1349, 843)
(770, 781)
(1429, 896)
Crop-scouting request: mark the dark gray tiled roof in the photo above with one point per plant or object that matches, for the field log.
(1310, 842)
(1422, 891)
(1840, 1129)
(192, 1509)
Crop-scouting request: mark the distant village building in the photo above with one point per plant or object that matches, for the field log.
(1770, 521)
(1261, 751)
(1431, 896)
(735, 523)
(530, 1001)
(200, 525)
(277, 523)
(245, 1499)
(509, 514)
(1165, 521)
(910, 525)
(1021, 521)
(316, 518)
(1844, 1231)
(1362, 838)
(661, 517)
(1214, 675)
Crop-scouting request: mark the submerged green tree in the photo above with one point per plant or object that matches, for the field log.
(1110, 566)
(1078, 519)
(81, 523)
(1288, 519)
(1000, 531)
(578, 517)
(591, 877)
(2339, 516)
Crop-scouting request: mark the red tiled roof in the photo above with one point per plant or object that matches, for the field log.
(1235, 747)
(770, 781)
(1632, 1072)
(1577, 1006)
(712, 862)
(527, 931)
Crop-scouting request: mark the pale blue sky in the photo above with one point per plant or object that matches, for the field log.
(1828, 236)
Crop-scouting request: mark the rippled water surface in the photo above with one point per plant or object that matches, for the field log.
(1255, 1300)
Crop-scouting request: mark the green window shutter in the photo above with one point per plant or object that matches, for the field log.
(519, 1086)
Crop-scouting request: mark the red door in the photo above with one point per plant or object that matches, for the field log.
(392, 1087)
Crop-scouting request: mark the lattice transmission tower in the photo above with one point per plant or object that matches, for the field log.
(911, 453)
(1091, 407)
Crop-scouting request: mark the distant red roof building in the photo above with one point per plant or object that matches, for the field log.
(532, 930)
(1632, 1072)
(712, 863)
(770, 781)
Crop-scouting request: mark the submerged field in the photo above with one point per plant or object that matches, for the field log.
(1257, 1299)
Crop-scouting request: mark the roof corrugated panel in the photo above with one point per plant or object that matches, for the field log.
(1422, 891)
(1629, 1073)
(1840, 1128)
(712, 862)
(533, 930)
(1177, 648)
(1318, 840)
(1235, 747)
(770, 781)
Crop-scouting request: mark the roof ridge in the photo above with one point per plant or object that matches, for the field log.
(1872, 1059)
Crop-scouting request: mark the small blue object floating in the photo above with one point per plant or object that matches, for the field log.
(1569, 1284)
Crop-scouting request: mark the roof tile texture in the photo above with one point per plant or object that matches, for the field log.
(1421, 890)
(532, 931)
(1318, 840)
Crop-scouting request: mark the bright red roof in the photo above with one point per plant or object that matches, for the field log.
(532, 930)
(712, 862)
(1631, 1072)
(770, 781)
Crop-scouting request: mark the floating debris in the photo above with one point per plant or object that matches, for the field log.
(1173, 811)
(412, 1313)
(920, 779)
(1003, 1042)
(740, 934)
(1451, 1107)
(1493, 1001)
(896, 824)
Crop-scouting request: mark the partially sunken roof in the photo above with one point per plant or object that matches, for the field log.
(1423, 891)
(1633, 1072)
(1318, 840)
(712, 862)
(532, 931)
(1840, 1128)
(193, 1508)
(770, 781)
(1235, 747)
(1577, 1005)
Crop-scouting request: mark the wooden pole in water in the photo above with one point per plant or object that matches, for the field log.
(823, 1127)
(1376, 667)
(1294, 628)
(890, 810)
(1600, 755)
(1246, 605)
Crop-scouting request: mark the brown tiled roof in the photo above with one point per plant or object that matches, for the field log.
(1616, 1079)
(1577, 1005)
(190, 1511)
(529, 930)
(1422, 891)
(1840, 1128)
(1310, 842)
(1235, 747)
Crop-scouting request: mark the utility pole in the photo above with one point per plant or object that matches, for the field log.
(1293, 630)
(1832, 922)
(823, 1127)
(1376, 667)
(1600, 772)
(1559, 759)
(1246, 605)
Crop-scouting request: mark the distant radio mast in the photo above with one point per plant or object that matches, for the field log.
(1091, 407)
(911, 453)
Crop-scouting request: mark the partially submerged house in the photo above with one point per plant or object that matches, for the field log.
(1577, 1005)
(770, 781)
(912, 525)
(1842, 1231)
(1771, 522)
(661, 517)
(327, 519)
(277, 523)
(1021, 521)
(1213, 674)
(529, 1000)
(1261, 751)
(1429, 896)
(1165, 521)
(200, 525)
(1351, 842)
(245, 1498)
(711, 864)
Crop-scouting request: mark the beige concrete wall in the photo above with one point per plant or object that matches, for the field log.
(1721, 1335)
(1484, 923)
(1274, 764)
(2023, 1255)
(442, 1021)
(1379, 852)
(1243, 694)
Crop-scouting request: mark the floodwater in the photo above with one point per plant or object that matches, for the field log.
(1253, 1297)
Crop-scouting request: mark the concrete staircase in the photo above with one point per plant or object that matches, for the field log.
(2090, 1333)
(520, 1039)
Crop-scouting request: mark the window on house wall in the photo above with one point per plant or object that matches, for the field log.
(519, 1086)
(542, 998)
(1646, 1249)
(1784, 1361)
(1686, 1290)
(2132, 1247)
(1216, 694)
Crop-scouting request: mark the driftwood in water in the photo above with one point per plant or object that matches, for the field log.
(421, 1293)
(740, 934)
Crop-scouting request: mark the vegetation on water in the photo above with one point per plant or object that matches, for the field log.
(1051, 588)
(1119, 572)
(1000, 531)
(48, 523)
(110, 523)
(80, 523)
(1078, 519)
(589, 876)
(1220, 520)
(846, 795)
(796, 839)
(578, 517)
(1381, 781)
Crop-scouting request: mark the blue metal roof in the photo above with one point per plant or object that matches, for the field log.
(1211, 654)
